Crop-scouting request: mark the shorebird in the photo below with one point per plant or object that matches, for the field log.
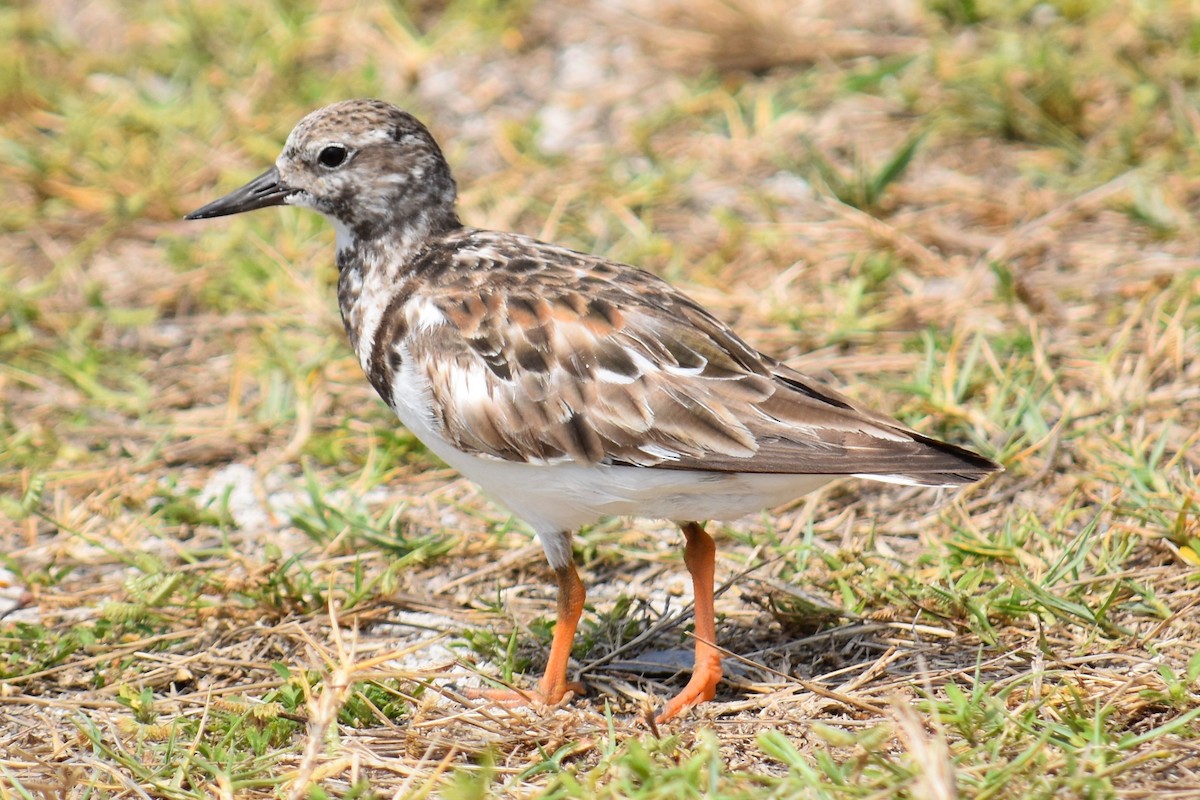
(569, 386)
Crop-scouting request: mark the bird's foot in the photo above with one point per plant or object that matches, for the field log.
(553, 698)
(701, 687)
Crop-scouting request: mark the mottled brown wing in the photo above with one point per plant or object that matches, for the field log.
(611, 365)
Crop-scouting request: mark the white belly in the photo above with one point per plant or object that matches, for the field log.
(562, 497)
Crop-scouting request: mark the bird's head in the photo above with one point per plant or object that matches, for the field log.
(365, 164)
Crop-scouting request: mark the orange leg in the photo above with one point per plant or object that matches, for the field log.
(554, 684)
(700, 555)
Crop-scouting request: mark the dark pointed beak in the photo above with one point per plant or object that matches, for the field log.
(265, 190)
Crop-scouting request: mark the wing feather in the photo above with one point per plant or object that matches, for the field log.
(596, 364)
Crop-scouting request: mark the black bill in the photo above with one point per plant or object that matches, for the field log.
(265, 190)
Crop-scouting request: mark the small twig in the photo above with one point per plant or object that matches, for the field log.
(808, 686)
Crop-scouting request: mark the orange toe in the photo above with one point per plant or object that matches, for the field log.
(526, 697)
(702, 687)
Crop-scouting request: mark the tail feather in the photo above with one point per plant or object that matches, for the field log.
(971, 467)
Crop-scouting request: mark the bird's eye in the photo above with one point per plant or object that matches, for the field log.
(332, 156)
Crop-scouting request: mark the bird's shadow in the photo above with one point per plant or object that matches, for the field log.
(771, 642)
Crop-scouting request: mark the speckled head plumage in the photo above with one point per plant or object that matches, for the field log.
(569, 386)
(368, 166)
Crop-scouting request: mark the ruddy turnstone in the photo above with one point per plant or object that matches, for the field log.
(569, 386)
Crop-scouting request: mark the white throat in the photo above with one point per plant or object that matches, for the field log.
(345, 237)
